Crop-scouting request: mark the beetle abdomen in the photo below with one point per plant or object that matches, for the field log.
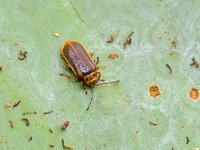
(77, 58)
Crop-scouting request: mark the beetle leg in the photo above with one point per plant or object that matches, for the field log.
(91, 54)
(100, 67)
(67, 65)
(83, 86)
(69, 76)
(111, 82)
(102, 80)
(97, 61)
(90, 101)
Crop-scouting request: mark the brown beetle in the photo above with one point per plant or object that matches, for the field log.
(79, 60)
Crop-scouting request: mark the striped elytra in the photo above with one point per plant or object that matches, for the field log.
(79, 60)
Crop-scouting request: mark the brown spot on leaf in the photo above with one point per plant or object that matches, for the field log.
(154, 123)
(128, 40)
(193, 94)
(154, 90)
(111, 39)
(65, 124)
(113, 55)
(22, 55)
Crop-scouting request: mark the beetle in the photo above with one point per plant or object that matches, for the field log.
(80, 61)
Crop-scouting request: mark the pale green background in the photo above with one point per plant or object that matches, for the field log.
(116, 118)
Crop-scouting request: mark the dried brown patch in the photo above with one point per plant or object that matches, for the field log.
(171, 53)
(22, 55)
(173, 43)
(111, 39)
(193, 94)
(51, 145)
(113, 55)
(48, 112)
(17, 42)
(29, 113)
(154, 123)
(169, 67)
(11, 123)
(16, 104)
(195, 63)
(154, 90)
(65, 124)
(64, 146)
(8, 104)
(128, 40)
(26, 121)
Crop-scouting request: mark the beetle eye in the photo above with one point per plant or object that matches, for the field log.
(94, 75)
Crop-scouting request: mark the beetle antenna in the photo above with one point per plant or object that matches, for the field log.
(116, 81)
(102, 80)
(90, 101)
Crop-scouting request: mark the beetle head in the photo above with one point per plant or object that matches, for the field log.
(92, 79)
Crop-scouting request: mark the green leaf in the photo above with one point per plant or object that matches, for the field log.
(122, 116)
